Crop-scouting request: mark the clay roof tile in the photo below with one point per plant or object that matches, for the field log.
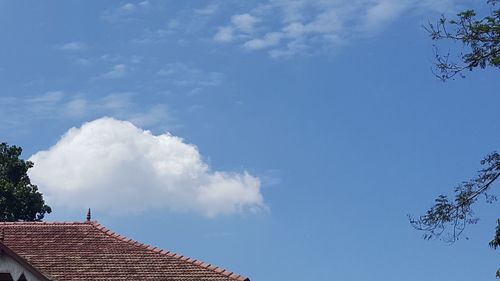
(81, 251)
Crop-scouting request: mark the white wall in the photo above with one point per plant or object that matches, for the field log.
(8, 265)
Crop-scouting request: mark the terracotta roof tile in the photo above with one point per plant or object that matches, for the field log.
(82, 251)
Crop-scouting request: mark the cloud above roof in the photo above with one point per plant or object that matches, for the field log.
(112, 165)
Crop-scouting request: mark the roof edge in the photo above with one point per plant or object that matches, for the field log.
(14, 223)
(23, 262)
(195, 262)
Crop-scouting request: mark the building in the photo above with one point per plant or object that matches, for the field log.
(78, 251)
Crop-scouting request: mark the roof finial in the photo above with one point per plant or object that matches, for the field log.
(89, 215)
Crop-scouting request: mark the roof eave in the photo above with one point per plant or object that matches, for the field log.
(8, 251)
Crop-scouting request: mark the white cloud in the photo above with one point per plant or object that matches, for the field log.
(72, 46)
(129, 7)
(288, 27)
(244, 22)
(144, 4)
(269, 40)
(382, 12)
(113, 166)
(224, 34)
(241, 25)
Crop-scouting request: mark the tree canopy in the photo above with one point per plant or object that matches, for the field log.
(479, 35)
(447, 218)
(19, 198)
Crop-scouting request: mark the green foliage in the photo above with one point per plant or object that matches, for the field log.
(19, 198)
(447, 218)
(495, 243)
(480, 36)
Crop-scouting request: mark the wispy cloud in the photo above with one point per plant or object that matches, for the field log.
(270, 39)
(289, 27)
(242, 26)
(224, 34)
(185, 22)
(117, 71)
(159, 35)
(58, 105)
(72, 46)
(83, 61)
(210, 9)
(49, 97)
(244, 22)
(185, 75)
(117, 64)
(126, 11)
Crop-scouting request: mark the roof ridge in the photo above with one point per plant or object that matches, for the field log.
(14, 223)
(195, 262)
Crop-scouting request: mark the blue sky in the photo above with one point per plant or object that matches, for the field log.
(283, 140)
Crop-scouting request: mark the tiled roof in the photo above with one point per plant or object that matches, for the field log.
(83, 251)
